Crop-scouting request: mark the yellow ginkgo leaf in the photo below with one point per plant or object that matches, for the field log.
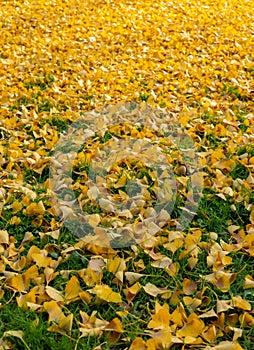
(160, 320)
(240, 303)
(4, 237)
(226, 164)
(105, 293)
(72, 288)
(53, 309)
(35, 209)
(138, 344)
(54, 294)
(152, 290)
(193, 328)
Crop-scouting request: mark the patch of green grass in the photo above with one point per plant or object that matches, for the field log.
(42, 83)
(211, 118)
(214, 214)
(250, 69)
(233, 92)
(212, 141)
(22, 101)
(239, 172)
(163, 104)
(144, 97)
(246, 149)
(33, 178)
(59, 123)
(107, 136)
(44, 106)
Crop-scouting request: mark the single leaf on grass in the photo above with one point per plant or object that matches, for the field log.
(191, 303)
(189, 287)
(53, 309)
(179, 316)
(208, 314)
(131, 292)
(50, 274)
(105, 293)
(224, 164)
(85, 297)
(117, 266)
(138, 344)
(223, 305)
(240, 303)
(64, 325)
(163, 263)
(210, 334)
(132, 277)
(41, 260)
(72, 289)
(90, 277)
(4, 237)
(54, 294)
(152, 290)
(17, 283)
(24, 299)
(113, 331)
(17, 265)
(248, 282)
(29, 237)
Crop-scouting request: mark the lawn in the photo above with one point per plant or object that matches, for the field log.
(126, 174)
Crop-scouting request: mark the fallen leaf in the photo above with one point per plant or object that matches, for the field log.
(105, 293)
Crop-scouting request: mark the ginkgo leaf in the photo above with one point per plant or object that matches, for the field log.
(188, 286)
(132, 277)
(35, 209)
(193, 328)
(104, 292)
(225, 345)
(16, 334)
(53, 309)
(72, 288)
(113, 331)
(138, 344)
(152, 290)
(54, 294)
(131, 292)
(17, 283)
(240, 303)
(248, 282)
(160, 320)
(4, 237)
(66, 323)
(223, 305)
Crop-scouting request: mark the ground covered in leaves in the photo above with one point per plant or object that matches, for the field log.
(171, 289)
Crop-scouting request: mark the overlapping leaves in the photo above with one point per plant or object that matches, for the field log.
(59, 59)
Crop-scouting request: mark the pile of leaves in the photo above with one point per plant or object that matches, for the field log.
(192, 61)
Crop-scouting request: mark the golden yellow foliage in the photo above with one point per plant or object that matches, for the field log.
(187, 68)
